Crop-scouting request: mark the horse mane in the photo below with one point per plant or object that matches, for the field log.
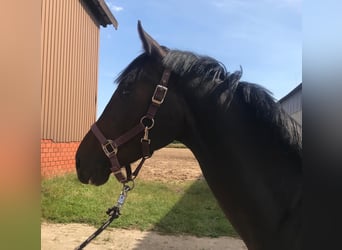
(209, 77)
(214, 80)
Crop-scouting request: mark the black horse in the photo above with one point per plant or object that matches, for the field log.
(248, 148)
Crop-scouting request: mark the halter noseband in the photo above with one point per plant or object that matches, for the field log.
(111, 147)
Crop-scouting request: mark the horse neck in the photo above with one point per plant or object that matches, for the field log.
(255, 180)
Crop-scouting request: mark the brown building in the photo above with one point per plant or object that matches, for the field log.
(69, 56)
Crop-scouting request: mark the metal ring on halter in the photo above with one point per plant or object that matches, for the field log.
(150, 120)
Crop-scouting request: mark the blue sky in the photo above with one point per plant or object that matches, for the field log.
(263, 36)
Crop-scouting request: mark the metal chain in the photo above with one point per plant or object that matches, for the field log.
(113, 213)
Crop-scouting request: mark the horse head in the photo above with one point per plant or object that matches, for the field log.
(137, 86)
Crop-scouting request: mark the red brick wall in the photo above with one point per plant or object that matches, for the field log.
(57, 158)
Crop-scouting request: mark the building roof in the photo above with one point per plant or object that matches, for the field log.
(101, 12)
(292, 92)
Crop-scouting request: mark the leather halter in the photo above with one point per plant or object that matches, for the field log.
(111, 147)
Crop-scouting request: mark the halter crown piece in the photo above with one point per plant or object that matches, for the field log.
(111, 147)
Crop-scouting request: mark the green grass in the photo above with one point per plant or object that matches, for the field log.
(171, 208)
(176, 144)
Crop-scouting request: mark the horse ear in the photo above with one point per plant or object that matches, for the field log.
(151, 47)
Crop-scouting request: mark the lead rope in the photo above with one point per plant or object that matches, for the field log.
(113, 213)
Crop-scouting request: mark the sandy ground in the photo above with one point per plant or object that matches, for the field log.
(69, 236)
(171, 164)
(165, 165)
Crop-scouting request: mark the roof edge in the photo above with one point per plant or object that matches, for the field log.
(109, 14)
(101, 12)
(291, 93)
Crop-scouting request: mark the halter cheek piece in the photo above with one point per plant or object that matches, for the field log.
(111, 147)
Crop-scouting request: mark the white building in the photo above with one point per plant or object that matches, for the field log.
(292, 103)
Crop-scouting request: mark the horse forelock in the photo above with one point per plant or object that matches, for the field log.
(131, 72)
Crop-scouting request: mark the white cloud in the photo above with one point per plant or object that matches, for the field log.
(113, 7)
(116, 8)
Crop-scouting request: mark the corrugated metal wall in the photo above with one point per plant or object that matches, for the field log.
(294, 103)
(70, 42)
(293, 106)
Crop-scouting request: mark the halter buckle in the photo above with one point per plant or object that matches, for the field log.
(109, 148)
(159, 94)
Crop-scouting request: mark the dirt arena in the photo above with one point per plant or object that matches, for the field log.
(165, 165)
